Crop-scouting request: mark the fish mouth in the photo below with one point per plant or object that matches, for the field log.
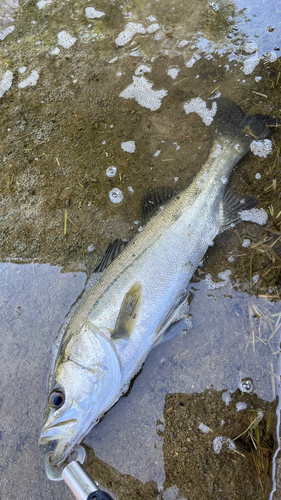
(58, 431)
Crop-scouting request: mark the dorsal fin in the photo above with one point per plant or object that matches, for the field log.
(111, 252)
(153, 199)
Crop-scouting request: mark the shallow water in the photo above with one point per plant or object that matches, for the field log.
(76, 102)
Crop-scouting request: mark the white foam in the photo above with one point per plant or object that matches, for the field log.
(129, 146)
(250, 63)
(241, 406)
(219, 441)
(131, 29)
(41, 4)
(116, 196)
(204, 428)
(141, 91)
(197, 105)
(22, 69)
(261, 148)
(111, 171)
(65, 39)
(173, 72)
(157, 153)
(270, 57)
(55, 51)
(142, 68)
(257, 215)
(153, 28)
(226, 398)
(92, 13)
(250, 47)
(114, 59)
(183, 43)
(192, 61)
(6, 31)
(130, 189)
(6, 82)
(246, 243)
(217, 444)
(151, 19)
(258, 176)
(30, 81)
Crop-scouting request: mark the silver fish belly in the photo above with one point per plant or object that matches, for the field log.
(144, 290)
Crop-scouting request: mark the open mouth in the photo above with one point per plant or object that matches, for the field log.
(58, 431)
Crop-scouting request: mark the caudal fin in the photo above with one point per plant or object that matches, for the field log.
(231, 121)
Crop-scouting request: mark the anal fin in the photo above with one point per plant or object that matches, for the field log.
(231, 207)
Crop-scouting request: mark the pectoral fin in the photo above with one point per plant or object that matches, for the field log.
(129, 312)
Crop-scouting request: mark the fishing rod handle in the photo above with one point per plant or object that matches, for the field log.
(81, 484)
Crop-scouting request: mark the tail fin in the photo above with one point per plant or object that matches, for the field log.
(230, 121)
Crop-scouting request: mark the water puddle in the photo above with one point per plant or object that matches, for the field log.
(101, 101)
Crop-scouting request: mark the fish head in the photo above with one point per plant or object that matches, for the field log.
(85, 385)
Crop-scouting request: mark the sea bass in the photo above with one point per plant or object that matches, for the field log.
(141, 295)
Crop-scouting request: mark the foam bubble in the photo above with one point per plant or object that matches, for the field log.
(92, 13)
(217, 444)
(270, 57)
(250, 47)
(250, 63)
(111, 171)
(91, 248)
(257, 215)
(55, 51)
(246, 243)
(241, 406)
(6, 82)
(141, 91)
(129, 146)
(65, 39)
(197, 105)
(141, 69)
(258, 176)
(226, 398)
(173, 72)
(261, 148)
(131, 29)
(183, 43)
(204, 428)
(192, 61)
(116, 196)
(152, 28)
(30, 81)
(41, 4)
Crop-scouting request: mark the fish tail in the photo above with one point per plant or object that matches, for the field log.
(231, 121)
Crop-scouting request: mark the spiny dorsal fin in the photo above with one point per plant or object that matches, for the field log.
(231, 207)
(129, 312)
(153, 199)
(111, 252)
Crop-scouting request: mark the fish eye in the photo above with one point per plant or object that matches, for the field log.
(56, 398)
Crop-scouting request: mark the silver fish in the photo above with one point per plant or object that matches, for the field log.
(141, 297)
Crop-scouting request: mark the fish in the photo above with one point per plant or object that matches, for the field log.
(138, 295)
